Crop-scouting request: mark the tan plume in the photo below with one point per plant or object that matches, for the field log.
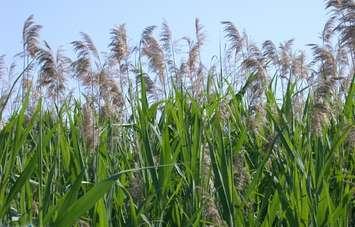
(155, 54)
(119, 44)
(233, 36)
(53, 70)
(30, 36)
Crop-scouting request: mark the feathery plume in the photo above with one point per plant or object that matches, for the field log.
(149, 84)
(325, 57)
(119, 44)
(166, 37)
(82, 65)
(90, 131)
(344, 12)
(350, 140)
(154, 53)
(30, 36)
(328, 30)
(147, 32)
(320, 117)
(200, 35)
(210, 209)
(136, 188)
(270, 52)
(53, 70)
(299, 66)
(233, 36)
(112, 96)
(211, 212)
(193, 58)
(285, 57)
(256, 63)
(241, 175)
(90, 45)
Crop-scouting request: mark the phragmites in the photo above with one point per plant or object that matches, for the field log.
(119, 44)
(85, 49)
(194, 66)
(233, 36)
(344, 12)
(82, 66)
(325, 57)
(90, 45)
(299, 66)
(270, 52)
(166, 37)
(342, 60)
(320, 117)
(200, 35)
(328, 30)
(90, 130)
(154, 53)
(112, 96)
(241, 174)
(194, 59)
(350, 140)
(136, 188)
(53, 70)
(210, 209)
(257, 115)
(285, 57)
(211, 212)
(255, 62)
(148, 83)
(30, 36)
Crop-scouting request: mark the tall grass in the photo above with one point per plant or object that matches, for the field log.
(256, 140)
(180, 163)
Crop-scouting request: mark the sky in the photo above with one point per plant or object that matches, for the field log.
(62, 20)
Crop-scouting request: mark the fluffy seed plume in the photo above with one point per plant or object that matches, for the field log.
(82, 66)
(320, 117)
(113, 98)
(270, 52)
(30, 36)
(119, 44)
(90, 44)
(344, 12)
(325, 58)
(90, 130)
(328, 30)
(350, 140)
(149, 84)
(285, 57)
(299, 66)
(155, 54)
(233, 36)
(166, 37)
(200, 35)
(241, 175)
(53, 70)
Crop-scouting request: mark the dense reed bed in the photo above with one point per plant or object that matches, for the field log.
(148, 135)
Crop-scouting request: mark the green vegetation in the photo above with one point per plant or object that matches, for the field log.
(260, 138)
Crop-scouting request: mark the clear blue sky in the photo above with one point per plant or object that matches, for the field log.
(62, 20)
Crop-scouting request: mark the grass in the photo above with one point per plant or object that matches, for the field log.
(180, 163)
(263, 137)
